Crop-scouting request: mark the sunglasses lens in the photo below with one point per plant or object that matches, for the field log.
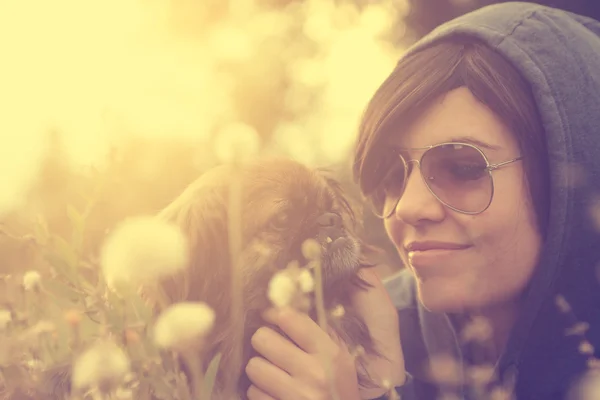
(385, 197)
(457, 174)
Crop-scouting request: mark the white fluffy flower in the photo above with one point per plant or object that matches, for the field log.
(143, 249)
(32, 280)
(183, 323)
(5, 318)
(311, 249)
(282, 289)
(103, 363)
(306, 281)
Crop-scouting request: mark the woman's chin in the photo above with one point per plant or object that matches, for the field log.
(441, 295)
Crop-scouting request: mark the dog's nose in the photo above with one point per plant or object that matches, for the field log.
(330, 220)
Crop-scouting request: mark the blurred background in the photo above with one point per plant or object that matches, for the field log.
(122, 103)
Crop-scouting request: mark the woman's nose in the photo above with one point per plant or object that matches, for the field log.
(417, 203)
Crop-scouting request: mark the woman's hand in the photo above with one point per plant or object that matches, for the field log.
(380, 315)
(297, 369)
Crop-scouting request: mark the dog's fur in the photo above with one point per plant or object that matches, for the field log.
(280, 203)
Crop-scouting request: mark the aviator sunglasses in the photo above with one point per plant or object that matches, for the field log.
(458, 175)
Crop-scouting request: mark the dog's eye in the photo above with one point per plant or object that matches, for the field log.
(279, 221)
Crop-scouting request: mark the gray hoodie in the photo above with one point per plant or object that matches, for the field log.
(559, 54)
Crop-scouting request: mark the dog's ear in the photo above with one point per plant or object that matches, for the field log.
(201, 213)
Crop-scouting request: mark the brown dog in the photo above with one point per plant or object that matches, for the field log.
(283, 203)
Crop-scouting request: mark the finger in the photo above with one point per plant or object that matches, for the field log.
(270, 379)
(305, 332)
(280, 351)
(255, 393)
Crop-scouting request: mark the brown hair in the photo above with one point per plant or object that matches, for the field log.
(423, 76)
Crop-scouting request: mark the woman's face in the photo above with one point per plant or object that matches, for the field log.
(493, 254)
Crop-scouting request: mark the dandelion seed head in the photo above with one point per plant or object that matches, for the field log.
(43, 327)
(579, 329)
(338, 311)
(306, 281)
(480, 375)
(123, 394)
(32, 280)
(445, 369)
(282, 289)
(586, 347)
(448, 396)
(311, 249)
(478, 329)
(183, 324)
(593, 363)
(72, 317)
(594, 211)
(562, 304)
(104, 363)
(131, 336)
(143, 250)
(501, 393)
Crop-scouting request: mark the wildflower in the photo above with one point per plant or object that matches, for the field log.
(562, 304)
(500, 393)
(478, 329)
(72, 317)
(102, 365)
(131, 337)
(237, 142)
(5, 318)
(282, 289)
(123, 394)
(32, 280)
(338, 311)
(586, 348)
(444, 369)
(594, 211)
(34, 365)
(42, 327)
(480, 375)
(593, 363)
(180, 325)
(579, 329)
(143, 250)
(311, 249)
(306, 281)
(448, 396)
(358, 351)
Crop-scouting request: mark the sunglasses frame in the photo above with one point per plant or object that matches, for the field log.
(489, 168)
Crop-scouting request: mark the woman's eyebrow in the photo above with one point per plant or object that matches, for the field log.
(476, 142)
(459, 139)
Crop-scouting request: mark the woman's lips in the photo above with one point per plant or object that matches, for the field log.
(424, 254)
(433, 256)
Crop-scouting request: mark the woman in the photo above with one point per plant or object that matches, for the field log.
(481, 153)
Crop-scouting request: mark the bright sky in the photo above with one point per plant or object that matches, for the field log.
(97, 70)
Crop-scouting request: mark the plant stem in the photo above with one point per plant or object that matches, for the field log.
(322, 320)
(194, 365)
(235, 247)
